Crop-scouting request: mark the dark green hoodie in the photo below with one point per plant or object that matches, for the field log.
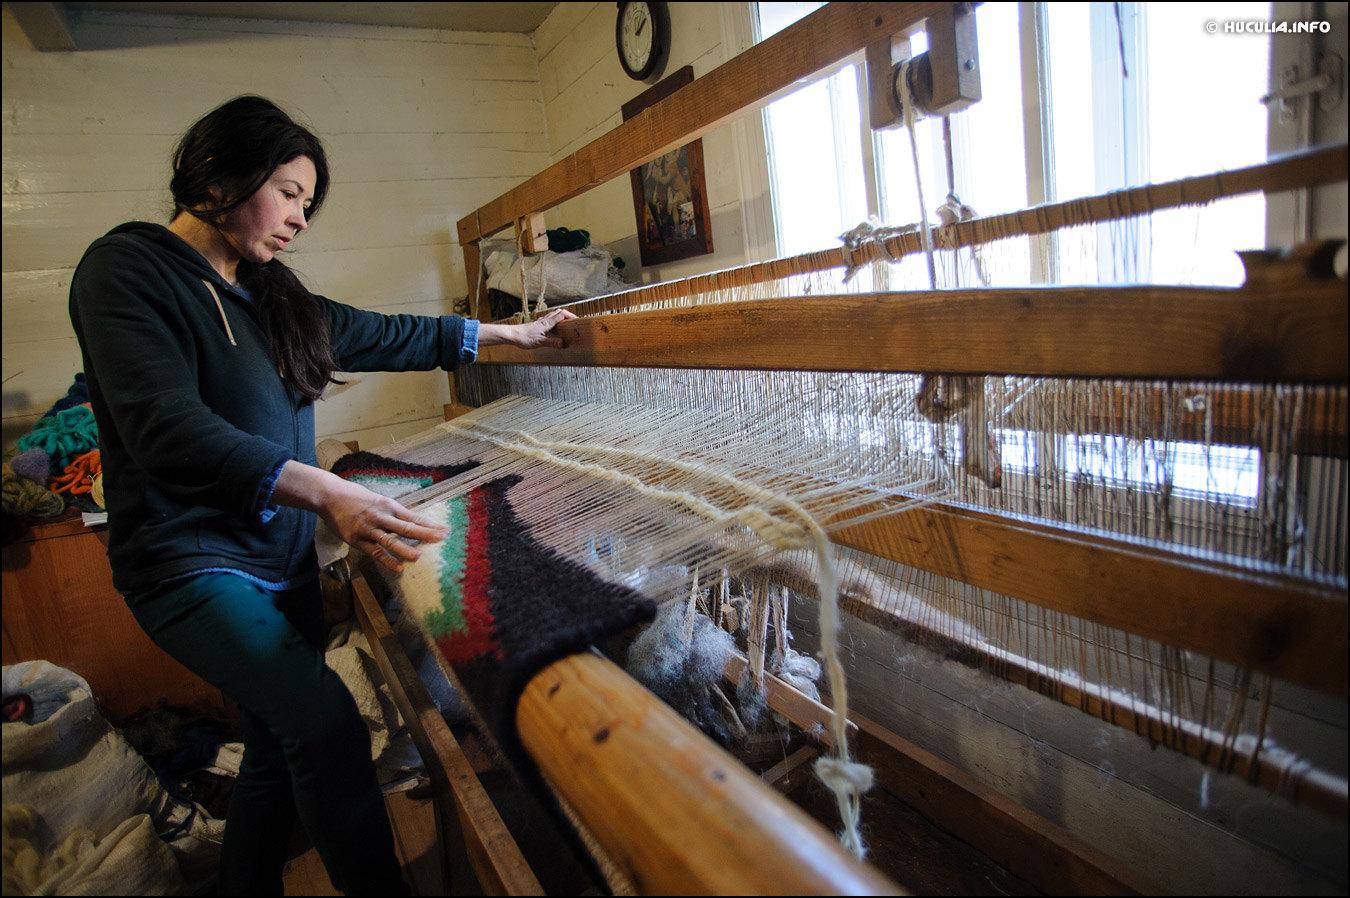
(194, 421)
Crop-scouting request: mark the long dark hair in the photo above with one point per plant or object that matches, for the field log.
(236, 148)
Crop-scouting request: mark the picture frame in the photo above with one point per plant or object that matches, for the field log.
(670, 195)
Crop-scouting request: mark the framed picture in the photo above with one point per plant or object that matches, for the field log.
(670, 197)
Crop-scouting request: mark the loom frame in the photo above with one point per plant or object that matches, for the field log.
(1286, 324)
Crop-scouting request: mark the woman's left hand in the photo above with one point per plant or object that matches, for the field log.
(530, 335)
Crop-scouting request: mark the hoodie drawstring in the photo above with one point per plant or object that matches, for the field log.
(216, 296)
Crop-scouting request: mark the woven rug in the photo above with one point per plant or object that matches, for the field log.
(497, 606)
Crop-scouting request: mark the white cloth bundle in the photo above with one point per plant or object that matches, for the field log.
(560, 277)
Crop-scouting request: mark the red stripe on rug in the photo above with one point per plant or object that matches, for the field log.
(478, 640)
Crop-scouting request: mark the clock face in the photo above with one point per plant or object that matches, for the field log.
(642, 34)
(635, 36)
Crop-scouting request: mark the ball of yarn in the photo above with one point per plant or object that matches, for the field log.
(34, 464)
(78, 394)
(561, 240)
(26, 499)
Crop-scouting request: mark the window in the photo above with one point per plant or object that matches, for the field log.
(820, 188)
(1107, 95)
(1078, 99)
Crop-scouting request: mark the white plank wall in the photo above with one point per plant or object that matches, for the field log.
(421, 126)
(584, 88)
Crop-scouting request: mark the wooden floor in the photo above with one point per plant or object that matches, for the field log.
(414, 825)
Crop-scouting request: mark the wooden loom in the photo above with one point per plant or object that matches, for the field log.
(694, 819)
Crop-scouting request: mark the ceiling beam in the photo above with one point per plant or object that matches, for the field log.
(46, 24)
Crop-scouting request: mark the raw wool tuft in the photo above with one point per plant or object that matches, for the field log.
(681, 660)
(800, 672)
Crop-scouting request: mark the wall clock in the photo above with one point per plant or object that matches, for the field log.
(642, 35)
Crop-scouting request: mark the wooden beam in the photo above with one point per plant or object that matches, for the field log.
(46, 25)
(1256, 333)
(676, 813)
(735, 88)
(532, 233)
(1302, 169)
(1052, 858)
(480, 855)
(1288, 627)
(1294, 779)
(810, 715)
(1220, 415)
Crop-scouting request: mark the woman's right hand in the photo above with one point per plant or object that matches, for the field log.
(362, 518)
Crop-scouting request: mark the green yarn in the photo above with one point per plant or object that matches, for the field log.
(63, 436)
(26, 499)
(561, 240)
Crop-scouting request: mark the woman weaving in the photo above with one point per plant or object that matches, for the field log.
(204, 356)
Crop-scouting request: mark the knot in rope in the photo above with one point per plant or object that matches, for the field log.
(848, 775)
(874, 233)
(951, 213)
(848, 780)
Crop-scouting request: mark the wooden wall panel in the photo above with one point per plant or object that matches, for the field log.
(422, 126)
(60, 606)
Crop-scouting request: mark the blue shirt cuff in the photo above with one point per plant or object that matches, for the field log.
(265, 509)
(468, 346)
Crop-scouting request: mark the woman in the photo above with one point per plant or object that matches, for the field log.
(204, 356)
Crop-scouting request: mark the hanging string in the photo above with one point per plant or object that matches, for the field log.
(540, 304)
(926, 230)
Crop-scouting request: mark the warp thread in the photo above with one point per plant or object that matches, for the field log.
(777, 531)
(496, 605)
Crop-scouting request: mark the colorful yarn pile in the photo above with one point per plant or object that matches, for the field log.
(56, 465)
(78, 477)
(497, 605)
(25, 498)
(63, 435)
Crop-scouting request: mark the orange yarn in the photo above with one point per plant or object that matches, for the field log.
(79, 475)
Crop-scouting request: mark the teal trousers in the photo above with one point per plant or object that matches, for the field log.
(306, 748)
